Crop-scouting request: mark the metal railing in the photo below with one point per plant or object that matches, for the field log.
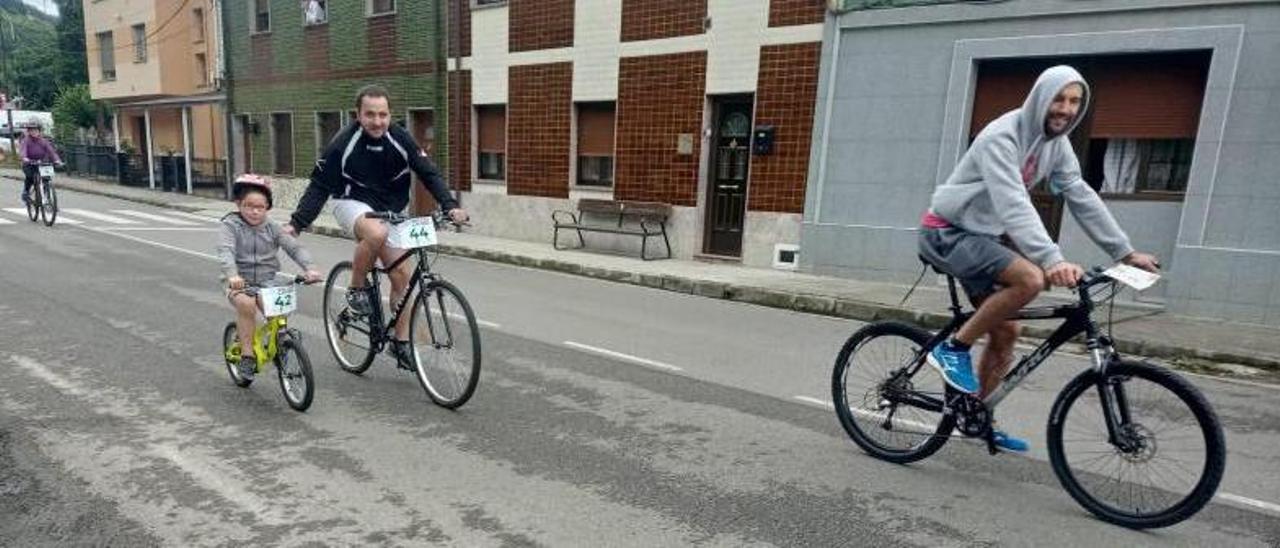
(208, 175)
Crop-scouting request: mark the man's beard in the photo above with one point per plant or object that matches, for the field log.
(1051, 133)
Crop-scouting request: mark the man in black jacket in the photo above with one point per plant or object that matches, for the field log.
(367, 167)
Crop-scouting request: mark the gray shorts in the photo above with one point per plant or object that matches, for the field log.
(976, 260)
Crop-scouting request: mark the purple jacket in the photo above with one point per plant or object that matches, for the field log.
(34, 151)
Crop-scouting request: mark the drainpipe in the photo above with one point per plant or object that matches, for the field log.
(222, 74)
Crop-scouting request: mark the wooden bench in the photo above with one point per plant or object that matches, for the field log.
(651, 216)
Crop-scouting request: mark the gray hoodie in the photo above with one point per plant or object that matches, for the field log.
(985, 194)
(251, 251)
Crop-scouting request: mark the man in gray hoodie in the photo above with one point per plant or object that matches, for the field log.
(988, 197)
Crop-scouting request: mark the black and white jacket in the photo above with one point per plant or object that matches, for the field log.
(374, 171)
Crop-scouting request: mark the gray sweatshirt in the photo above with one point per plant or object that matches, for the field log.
(251, 251)
(986, 193)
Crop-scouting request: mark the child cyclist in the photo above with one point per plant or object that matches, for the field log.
(248, 245)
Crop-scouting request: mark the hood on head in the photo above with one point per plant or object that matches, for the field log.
(1036, 108)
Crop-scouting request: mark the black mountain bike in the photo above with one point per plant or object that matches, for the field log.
(443, 331)
(42, 203)
(1134, 443)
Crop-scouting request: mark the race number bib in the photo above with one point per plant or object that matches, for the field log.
(414, 233)
(278, 301)
(46, 171)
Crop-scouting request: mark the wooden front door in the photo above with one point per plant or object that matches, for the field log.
(730, 162)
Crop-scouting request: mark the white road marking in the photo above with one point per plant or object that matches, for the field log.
(621, 356)
(211, 475)
(1253, 503)
(101, 216)
(828, 405)
(193, 216)
(158, 228)
(22, 212)
(6, 222)
(114, 232)
(817, 402)
(153, 217)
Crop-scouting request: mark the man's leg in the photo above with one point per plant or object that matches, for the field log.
(400, 278)
(1022, 281)
(371, 235)
(998, 356)
(399, 284)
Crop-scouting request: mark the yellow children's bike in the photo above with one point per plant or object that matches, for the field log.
(274, 341)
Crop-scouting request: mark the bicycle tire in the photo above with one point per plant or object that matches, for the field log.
(1207, 424)
(342, 331)
(292, 351)
(457, 390)
(928, 442)
(49, 205)
(33, 202)
(231, 355)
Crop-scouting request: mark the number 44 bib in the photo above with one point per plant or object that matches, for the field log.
(413, 233)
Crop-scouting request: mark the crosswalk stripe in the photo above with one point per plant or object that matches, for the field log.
(101, 216)
(22, 212)
(5, 222)
(193, 216)
(151, 217)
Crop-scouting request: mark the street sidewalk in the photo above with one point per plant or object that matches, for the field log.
(1138, 329)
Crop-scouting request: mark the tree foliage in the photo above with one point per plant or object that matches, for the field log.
(40, 54)
(75, 108)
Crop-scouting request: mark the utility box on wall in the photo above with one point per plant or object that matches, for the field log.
(762, 141)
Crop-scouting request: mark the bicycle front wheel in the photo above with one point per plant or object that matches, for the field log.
(296, 380)
(446, 344)
(33, 202)
(1165, 461)
(48, 204)
(876, 399)
(231, 355)
(349, 334)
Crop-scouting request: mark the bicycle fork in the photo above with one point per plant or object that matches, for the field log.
(1111, 394)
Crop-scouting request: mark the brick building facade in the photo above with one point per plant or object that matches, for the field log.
(295, 72)
(651, 100)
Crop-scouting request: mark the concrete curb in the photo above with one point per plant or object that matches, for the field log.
(800, 302)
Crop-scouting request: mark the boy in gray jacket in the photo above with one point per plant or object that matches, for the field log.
(988, 197)
(248, 246)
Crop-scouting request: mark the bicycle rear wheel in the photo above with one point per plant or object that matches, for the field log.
(1173, 454)
(446, 344)
(293, 366)
(231, 355)
(870, 388)
(350, 335)
(48, 204)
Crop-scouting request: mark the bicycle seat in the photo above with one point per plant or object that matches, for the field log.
(930, 264)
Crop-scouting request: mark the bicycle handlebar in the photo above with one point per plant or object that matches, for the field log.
(396, 218)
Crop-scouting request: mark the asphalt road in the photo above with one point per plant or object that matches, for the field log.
(607, 414)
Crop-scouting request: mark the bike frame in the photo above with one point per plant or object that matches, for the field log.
(266, 340)
(382, 332)
(1077, 319)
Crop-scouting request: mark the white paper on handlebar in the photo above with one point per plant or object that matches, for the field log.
(46, 171)
(1134, 277)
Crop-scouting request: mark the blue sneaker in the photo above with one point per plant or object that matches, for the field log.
(955, 366)
(1009, 443)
